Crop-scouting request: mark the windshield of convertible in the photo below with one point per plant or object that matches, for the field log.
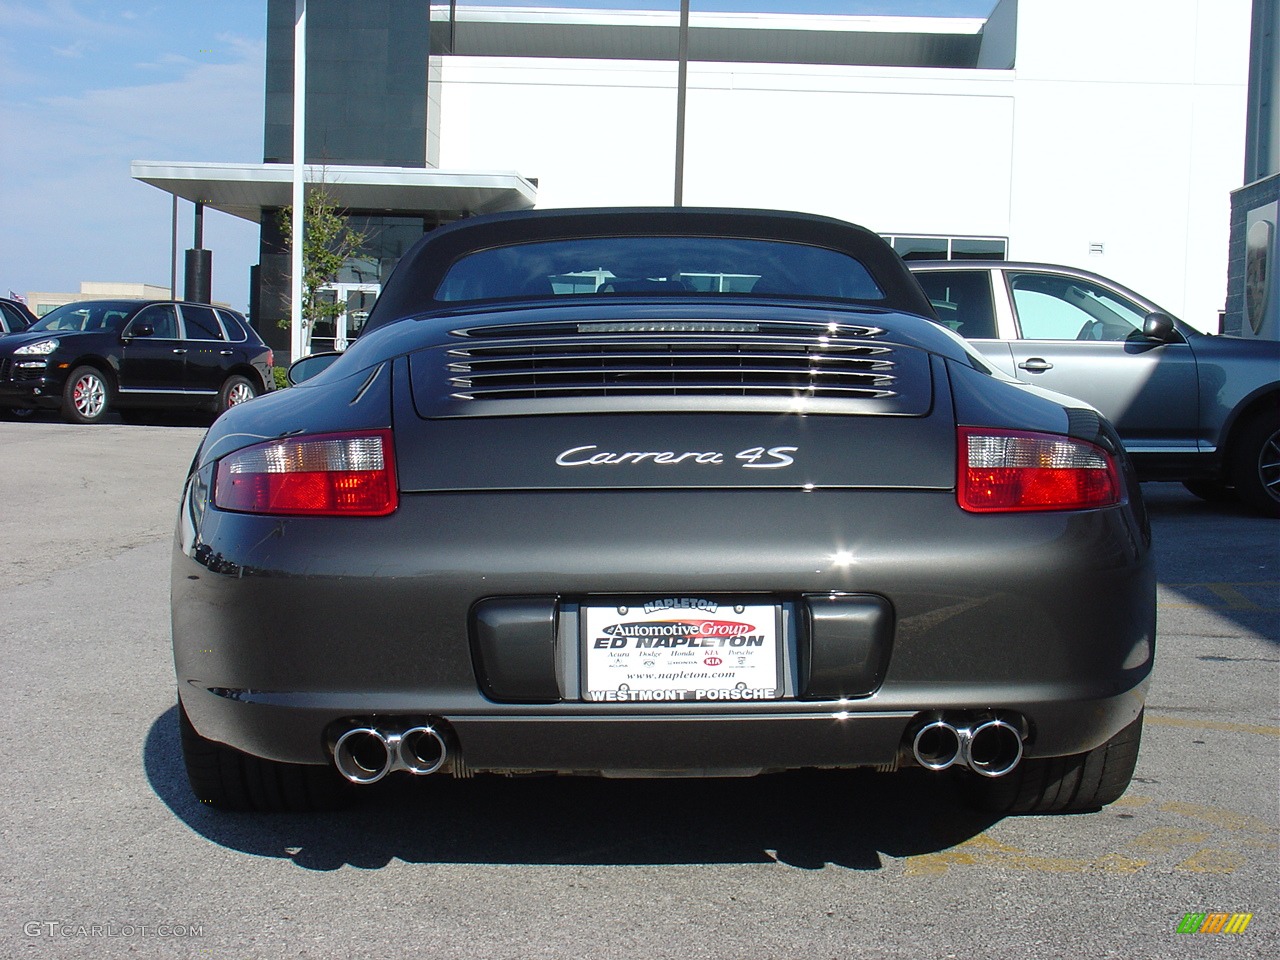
(649, 265)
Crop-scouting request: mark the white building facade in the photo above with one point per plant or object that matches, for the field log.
(1104, 134)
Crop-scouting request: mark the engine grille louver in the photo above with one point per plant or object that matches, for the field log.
(666, 366)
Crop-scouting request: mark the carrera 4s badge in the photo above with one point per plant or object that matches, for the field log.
(758, 458)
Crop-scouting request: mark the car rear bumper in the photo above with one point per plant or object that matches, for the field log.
(287, 629)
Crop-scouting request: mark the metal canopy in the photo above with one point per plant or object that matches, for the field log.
(245, 189)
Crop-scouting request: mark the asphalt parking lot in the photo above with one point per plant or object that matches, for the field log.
(106, 854)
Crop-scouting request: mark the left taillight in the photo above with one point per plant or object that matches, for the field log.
(328, 475)
(1007, 471)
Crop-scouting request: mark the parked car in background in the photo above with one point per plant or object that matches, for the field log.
(660, 492)
(1201, 409)
(89, 357)
(14, 316)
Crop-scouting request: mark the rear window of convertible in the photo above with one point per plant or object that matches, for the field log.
(656, 265)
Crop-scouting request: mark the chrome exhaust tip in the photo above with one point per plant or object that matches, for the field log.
(936, 745)
(992, 748)
(363, 755)
(422, 750)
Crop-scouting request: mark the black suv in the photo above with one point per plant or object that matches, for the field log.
(89, 357)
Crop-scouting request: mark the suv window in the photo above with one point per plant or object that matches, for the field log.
(962, 299)
(235, 331)
(162, 318)
(12, 321)
(75, 317)
(201, 323)
(1053, 307)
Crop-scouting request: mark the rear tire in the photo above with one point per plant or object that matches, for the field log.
(86, 398)
(1255, 463)
(235, 390)
(1074, 784)
(228, 779)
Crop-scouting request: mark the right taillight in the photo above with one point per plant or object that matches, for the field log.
(1003, 471)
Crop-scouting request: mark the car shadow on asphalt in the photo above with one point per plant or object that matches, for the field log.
(805, 819)
(1171, 501)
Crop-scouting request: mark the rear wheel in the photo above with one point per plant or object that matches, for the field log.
(1255, 463)
(235, 390)
(87, 396)
(1074, 784)
(226, 778)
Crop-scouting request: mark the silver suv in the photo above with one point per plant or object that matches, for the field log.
(1201, 409)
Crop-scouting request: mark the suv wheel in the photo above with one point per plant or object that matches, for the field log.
(1255, 463)
(223, 777)
(235, 390)
(87, 396)
(1075, 784)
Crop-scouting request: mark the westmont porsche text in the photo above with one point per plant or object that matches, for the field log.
(641, 696)
(656, 492)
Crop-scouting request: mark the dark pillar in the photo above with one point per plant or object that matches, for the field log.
(199, 273)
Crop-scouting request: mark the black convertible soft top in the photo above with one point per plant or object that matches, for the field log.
(425, 280)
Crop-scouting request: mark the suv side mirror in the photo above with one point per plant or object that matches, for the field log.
(1159, 326)
(141, 330)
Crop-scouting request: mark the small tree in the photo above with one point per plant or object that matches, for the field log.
(327, 242)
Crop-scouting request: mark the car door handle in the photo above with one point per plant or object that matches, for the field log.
(225, 353)
(1035, 365)
(179, 350)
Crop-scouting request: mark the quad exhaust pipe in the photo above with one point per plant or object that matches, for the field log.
(990, 747)
(366, 754)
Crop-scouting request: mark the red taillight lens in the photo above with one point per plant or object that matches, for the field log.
(1008, 470)
(330, 475)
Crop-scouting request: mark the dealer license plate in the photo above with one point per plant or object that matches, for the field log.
(681, 648)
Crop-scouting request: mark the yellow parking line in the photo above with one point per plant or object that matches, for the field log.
(1219, 817)
(1231, 594)
(1225, 727)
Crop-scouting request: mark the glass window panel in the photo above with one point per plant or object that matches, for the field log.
(962, 299)
(921, 248)
(967, 249)
(163, 319)
(235, 332)
(359, 303)
(201, 323)
(1054, 307)
(656, 265)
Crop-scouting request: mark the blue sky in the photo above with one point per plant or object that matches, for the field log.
(86, 86)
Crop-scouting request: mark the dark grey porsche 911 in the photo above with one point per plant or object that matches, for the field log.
(660, 492)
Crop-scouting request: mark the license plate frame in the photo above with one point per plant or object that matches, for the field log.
(688, 648)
